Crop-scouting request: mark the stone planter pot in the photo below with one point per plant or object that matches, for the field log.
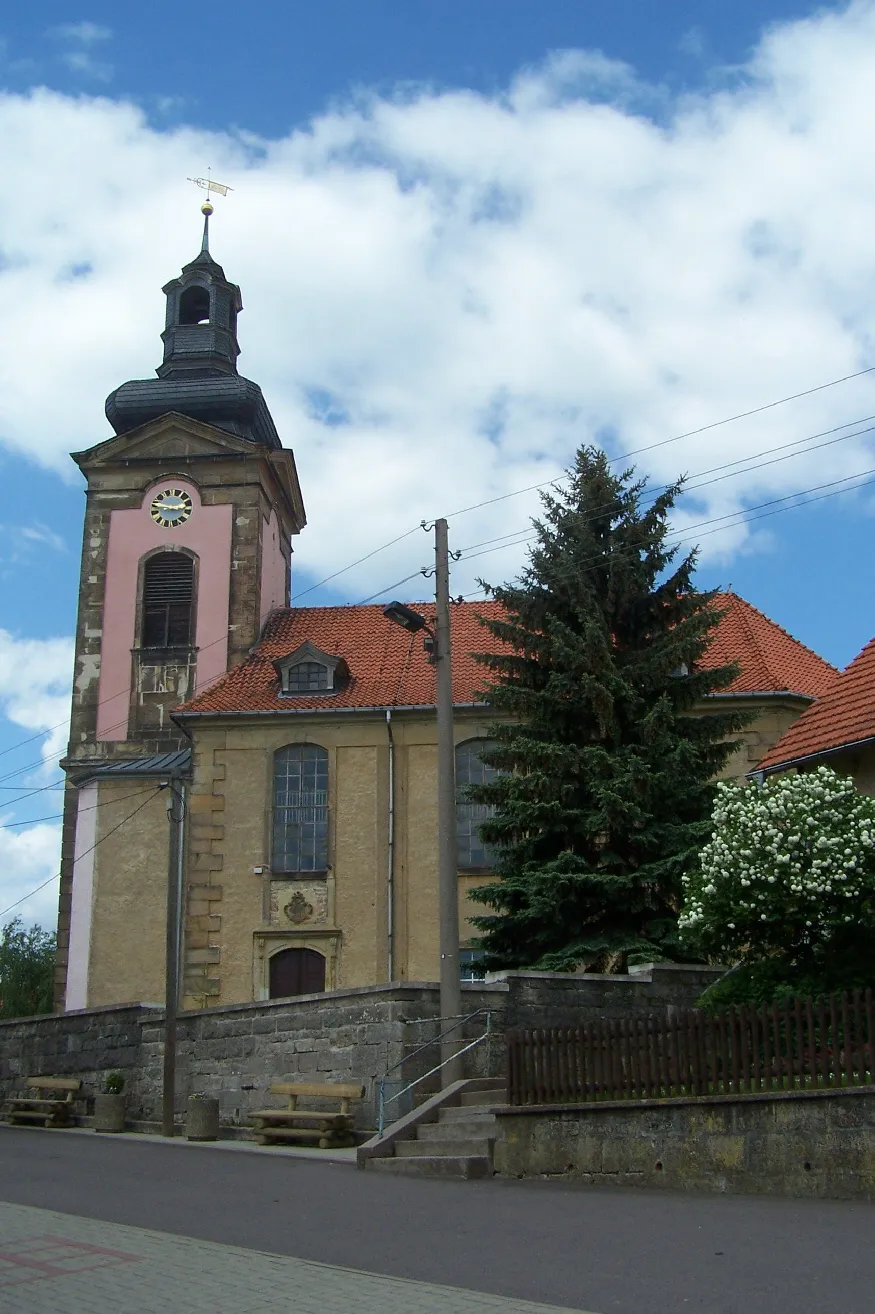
(109, 1113)
(202, 1120)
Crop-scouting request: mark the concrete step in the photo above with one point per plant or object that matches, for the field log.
(486, 1097)
(455, 1148)
(466, 1113)
(457, 1129)
(450, 1165)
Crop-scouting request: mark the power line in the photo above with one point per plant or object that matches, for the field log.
(222, 639)
(85, 853)
(390, 587)
(705, 428)
(653, 493)
(730, 515)
(352, 564)
(690, 433)
(21, 797)
(58, 816)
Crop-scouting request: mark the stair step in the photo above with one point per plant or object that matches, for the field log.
(446, 1165)
(457, 1129)
(487, 1097)
(466, 1113)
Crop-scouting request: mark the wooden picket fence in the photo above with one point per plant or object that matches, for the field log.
(798, 1044)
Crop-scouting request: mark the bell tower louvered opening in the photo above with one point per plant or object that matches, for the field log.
(168, 596)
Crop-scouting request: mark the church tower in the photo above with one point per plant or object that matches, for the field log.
(190, 512)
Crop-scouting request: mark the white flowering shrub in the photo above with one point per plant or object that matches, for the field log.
(789, 873)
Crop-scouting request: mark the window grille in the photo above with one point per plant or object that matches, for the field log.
(470, 770)
(168, 589)
(300, 809)
(307, 677)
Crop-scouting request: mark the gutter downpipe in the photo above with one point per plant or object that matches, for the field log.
(390, 875)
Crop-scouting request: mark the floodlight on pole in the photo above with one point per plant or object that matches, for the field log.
(406, 617)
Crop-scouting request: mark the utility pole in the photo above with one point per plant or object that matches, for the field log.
(448, 870)
(176, 817)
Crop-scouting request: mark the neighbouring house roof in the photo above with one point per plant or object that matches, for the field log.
(388, 667)
(844, 715)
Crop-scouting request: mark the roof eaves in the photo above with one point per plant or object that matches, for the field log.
(318, 711)
(811, 757)
(765, 693)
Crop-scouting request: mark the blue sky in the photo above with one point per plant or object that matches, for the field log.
(469, 236)
(269, 66)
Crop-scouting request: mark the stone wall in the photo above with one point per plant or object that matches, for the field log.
(796, 1143)
(343, 1035)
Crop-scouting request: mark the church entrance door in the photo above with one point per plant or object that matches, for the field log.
(296, 972)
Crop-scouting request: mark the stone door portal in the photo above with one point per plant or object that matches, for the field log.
(296, 972)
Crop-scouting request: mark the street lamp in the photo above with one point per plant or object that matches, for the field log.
(437, 644)
(406, 617)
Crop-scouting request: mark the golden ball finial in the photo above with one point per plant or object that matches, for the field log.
(206, 209)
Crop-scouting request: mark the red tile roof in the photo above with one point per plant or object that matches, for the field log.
(770, 660)
(844, 715)
(388, 667)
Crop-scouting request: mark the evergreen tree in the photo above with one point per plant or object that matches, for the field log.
(605, 791)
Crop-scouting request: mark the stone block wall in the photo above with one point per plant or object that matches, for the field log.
(87, 1044)
(355, 1035)
(795, 1143)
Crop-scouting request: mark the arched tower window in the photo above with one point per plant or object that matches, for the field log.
(168, 598)
(471, 770)
(194, 305)
(296, 972)
(300, 809)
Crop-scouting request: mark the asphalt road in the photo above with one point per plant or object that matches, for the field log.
(581, 1247)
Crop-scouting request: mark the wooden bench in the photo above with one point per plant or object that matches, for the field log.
(51, 1106)
(330, 1128)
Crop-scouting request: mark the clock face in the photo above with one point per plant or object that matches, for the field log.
(171, 507)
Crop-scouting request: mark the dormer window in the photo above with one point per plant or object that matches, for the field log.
(308, 671)
(308, 677)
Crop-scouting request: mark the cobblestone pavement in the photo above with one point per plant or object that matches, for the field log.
(53, 1263)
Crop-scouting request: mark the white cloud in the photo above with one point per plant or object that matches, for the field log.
(28, 858)
(446, 292)
(43, 535)
(35, 688)
(84, 34)
(82, 38)
(693, 43)
(34, 696)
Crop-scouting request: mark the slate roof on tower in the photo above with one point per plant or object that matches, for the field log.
(843, 716)
(198, 376)
(388, 668)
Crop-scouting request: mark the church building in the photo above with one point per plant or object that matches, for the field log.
(305, 737)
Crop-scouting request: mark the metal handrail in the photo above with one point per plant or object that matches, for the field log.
(382, 1101)
(426, 1044)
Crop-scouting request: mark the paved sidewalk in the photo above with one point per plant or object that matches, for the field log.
(53, 1263)
(239, 1147)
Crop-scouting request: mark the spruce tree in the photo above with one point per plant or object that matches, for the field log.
(605, 748)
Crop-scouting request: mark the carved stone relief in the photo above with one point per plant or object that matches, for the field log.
(298, 903)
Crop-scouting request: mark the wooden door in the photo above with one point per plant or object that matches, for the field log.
(296, 972)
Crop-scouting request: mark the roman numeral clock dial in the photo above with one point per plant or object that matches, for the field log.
(171, 507)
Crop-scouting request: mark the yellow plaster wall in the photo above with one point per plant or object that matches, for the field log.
(228, 836)
(130, 896)
(360, 863)
(771, 718)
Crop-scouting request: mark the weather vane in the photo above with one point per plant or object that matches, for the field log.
(208, 185)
